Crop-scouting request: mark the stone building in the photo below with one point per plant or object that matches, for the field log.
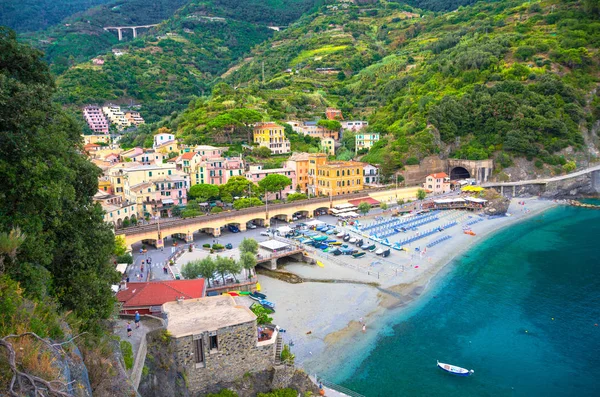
(218, 341)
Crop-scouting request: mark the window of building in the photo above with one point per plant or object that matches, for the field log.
(150, 173)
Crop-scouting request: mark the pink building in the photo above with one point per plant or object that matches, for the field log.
(95, 119)
(217, 171)
(256, 174)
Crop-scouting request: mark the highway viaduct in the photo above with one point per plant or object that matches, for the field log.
(212, 223)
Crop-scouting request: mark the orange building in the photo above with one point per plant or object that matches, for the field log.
(333, 114)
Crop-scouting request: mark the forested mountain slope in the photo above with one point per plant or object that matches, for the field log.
(180, 58)
(500, 79)
(32, 15)
(81, 36)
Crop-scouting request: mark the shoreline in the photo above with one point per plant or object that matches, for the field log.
(321, 342)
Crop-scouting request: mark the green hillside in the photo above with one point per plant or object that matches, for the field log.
(81, 36)
(499, 79)
(32, 15)
(181, 58)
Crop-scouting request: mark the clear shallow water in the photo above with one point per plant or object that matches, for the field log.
(493, 313)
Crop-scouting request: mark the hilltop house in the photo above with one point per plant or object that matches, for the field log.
(272, 136)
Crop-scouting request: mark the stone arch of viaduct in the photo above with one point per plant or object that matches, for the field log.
(212, 223)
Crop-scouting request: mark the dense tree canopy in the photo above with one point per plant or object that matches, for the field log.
(46, 191)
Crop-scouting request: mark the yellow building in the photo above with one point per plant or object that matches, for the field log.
(114, 114)
(366, 140)
(328, 145)
(333, 178)
(98, 139)
(104, 184)
(299, 162)
(272, 136)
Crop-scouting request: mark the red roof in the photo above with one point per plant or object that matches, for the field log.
(368, 200)
(158, 292)
(188, 155)
(439, 175)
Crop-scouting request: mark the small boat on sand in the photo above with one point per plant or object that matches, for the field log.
(379, 251)
(258, 295)
(267, 304)
(340, 235)
(358, 255)
(353, 240)
(386, 253)
(454, 370)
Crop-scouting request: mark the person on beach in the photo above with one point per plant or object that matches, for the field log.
(128, 328)
(364, 328)
(137, 319)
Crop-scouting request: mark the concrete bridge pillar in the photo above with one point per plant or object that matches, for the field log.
(216, 232)
(514, 191)
(242, 227)
(189, 237)
(134, 32)
(502, 190)
(160, 243)
(273, 263)
(120, 33)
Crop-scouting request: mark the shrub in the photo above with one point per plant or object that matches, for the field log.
(216, 210)
(412, 161)
(206, 245)
(286, 355)
(262, 315)
(218, 246)
(127, 351)
(539, 163)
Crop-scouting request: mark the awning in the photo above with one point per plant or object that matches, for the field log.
(314, 222)
(272, 245)
(476, 200)
(449, 201)
(121, 267)
(167, 201)
(369, 200)
(284, 229)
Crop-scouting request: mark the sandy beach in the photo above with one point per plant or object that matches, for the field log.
(322, 315)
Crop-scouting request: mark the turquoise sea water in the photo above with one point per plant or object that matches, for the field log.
(494, 313)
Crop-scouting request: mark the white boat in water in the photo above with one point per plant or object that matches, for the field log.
(454, 370)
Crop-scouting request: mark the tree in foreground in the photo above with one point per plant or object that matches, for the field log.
(203, 192)
(296, 197)
(421, 194)
(66, 249)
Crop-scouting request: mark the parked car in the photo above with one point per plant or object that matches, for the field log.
(264, 233)
(251, 225)
(233, 228)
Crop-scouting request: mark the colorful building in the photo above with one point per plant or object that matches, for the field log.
(95, 119)
(438, 183)
(161, 139)
(366, 141)
(328, 145)
(114, 114)
(272, 136)
(299, 162)
(371, 175)
(134, 117)
(256, 173)
(97, 139)
(116, 210)
(333, 178)
(217, 171)
(354, 125)
(333, 114)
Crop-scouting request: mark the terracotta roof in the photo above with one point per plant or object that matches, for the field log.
(439, 175)
(368, 200)
(157, 293)
(188, 155)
